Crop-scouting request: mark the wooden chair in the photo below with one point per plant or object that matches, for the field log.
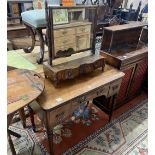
(35, 21)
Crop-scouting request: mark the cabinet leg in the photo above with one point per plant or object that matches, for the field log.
(112, 106)
(32, 118)
(22, 117)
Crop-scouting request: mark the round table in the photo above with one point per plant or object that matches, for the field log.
(23, 87)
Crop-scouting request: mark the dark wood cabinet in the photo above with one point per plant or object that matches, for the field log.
(135, 70)
(123, 50)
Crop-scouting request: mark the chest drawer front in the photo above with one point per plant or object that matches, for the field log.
(83, 42)
(83, 29)
(88, 97)
(67, 74)
(64, 40)
(114, 87)
(58, 115)
(64, 32)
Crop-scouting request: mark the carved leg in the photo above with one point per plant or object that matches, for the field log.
(30, 49)
(112, 106)
(49, 136)
(11, 144)
(42, 50)
(32, 118)
(22, 117)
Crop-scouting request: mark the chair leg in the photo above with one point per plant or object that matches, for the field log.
(42, 48)
(30, 49)
(11, 144)
(32, 118)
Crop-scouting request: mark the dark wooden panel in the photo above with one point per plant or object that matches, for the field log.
(138, 78)
(124, 85)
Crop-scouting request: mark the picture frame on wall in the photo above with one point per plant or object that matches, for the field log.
(38, 4)
(60, 16)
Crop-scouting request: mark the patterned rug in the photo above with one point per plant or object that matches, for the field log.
(88, 133)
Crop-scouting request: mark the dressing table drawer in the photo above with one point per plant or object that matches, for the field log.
(64, 32)
(58, 115)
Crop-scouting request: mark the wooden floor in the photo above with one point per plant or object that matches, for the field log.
(32, 57)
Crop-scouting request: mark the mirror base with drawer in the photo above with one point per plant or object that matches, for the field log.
(72, 69)
(68, 42)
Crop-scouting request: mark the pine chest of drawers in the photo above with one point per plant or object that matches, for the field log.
(73, 35)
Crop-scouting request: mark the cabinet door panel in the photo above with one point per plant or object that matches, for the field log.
(124, 85)
(138, 77)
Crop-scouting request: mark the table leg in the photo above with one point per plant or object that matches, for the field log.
(112, 106)
(49, 136)
(22, 117)
(42, 50)
(11, 143)
(86, 106)
(32, 118)
(30, 49)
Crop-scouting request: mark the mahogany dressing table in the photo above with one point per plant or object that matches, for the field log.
(55, 104)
